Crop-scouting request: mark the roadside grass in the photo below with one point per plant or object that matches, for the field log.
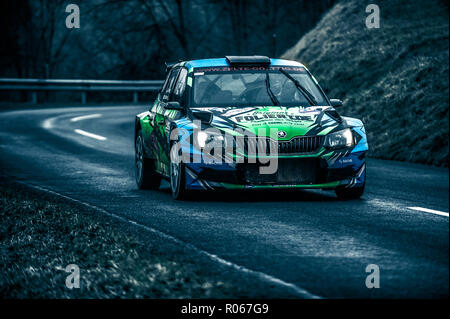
(41, 235)
(395, 78)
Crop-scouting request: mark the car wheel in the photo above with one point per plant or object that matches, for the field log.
(177, 174)
(146, 175)
(350, 193)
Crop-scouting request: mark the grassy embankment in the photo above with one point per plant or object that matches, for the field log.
(41, 234)
(395, 78)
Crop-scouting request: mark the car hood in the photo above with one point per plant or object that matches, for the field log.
(292, 121)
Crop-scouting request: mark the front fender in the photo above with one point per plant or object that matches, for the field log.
(143, 122)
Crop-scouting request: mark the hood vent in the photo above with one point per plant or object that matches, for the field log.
(253, 60)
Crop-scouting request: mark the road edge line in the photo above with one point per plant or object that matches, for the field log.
(429, 211)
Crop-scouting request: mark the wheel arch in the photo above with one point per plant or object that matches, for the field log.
(137, 127)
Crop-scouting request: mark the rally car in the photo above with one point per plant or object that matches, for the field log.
(247, 122)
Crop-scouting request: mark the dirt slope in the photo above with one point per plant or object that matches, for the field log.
(395, 78)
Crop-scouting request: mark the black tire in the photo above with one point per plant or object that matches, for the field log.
(146, 175)
(177, 175)
(350, 193)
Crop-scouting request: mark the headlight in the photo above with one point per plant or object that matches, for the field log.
(339, 139)
(212, 140)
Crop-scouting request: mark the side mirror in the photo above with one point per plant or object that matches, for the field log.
(336, 102)
(173, 106)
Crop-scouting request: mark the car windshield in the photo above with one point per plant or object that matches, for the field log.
(247, 86)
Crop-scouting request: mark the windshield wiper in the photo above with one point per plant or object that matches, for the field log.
(269, 91)
(304, 91)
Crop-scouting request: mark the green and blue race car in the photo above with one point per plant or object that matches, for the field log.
(247, 122)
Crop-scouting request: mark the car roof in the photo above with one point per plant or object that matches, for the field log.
(223, 62)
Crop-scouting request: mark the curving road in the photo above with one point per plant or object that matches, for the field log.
(305, 238)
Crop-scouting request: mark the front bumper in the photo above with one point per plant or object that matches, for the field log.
(324, 171)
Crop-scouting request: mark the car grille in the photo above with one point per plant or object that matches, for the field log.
(303, 144)
(297, 145)
(290, 171)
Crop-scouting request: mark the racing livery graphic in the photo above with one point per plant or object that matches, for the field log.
(220, 123)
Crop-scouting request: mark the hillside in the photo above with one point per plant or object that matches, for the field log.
(395, 78)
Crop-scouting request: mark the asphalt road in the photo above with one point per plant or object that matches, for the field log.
(305, 238)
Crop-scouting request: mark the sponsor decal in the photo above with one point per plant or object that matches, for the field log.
(250, 68)
(346, 160)
(258, 116)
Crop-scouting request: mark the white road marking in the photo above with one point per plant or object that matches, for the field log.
(262, 276)
(48, 123)
(85, 117)
(91, 135)
(431, 211)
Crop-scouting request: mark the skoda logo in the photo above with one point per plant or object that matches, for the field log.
(281, 134)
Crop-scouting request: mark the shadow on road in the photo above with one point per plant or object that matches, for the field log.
(276, 195)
